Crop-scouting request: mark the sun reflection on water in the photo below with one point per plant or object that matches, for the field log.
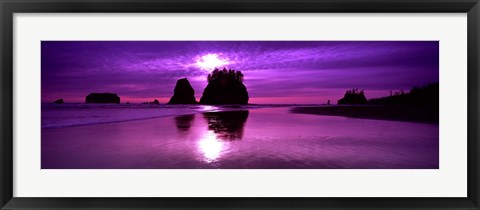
(208, 108)
(211, 147)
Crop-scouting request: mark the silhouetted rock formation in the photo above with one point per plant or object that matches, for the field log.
(59, 101)
(102, 98)
(225, 87)
(227, 125)
(183, 93)
(353, 97)
(425, 95)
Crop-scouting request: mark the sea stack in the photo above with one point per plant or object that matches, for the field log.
(183, 93)
(102, 98)
(59, 101)
(225, 87)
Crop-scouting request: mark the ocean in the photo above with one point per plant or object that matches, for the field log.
(77, 114)
(147, 136)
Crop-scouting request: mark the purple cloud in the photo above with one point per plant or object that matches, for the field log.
(317, 70)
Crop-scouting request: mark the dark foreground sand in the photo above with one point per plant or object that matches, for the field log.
(420, 114)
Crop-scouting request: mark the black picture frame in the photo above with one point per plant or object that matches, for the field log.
(9, 7)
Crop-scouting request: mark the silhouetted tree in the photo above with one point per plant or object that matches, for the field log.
(353, 96)
(424, 95)
(227, 74)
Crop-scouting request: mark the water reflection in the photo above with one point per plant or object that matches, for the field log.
(184, 122)
(227, 125)
(222, 127)
(211, 147)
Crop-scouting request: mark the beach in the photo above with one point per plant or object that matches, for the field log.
(220, 104)
(239, 138)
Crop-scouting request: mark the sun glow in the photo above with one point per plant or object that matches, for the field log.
(211, 61)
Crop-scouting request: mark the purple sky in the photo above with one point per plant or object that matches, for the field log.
(275, 71)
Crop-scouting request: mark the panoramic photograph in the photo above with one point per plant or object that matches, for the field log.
(239, 105)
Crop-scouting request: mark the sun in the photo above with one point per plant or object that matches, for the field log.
(211, 61)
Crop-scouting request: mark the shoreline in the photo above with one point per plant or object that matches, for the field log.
(142, 118)
(417, 114)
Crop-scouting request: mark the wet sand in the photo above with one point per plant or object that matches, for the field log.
(270, 138)
(420, 114)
